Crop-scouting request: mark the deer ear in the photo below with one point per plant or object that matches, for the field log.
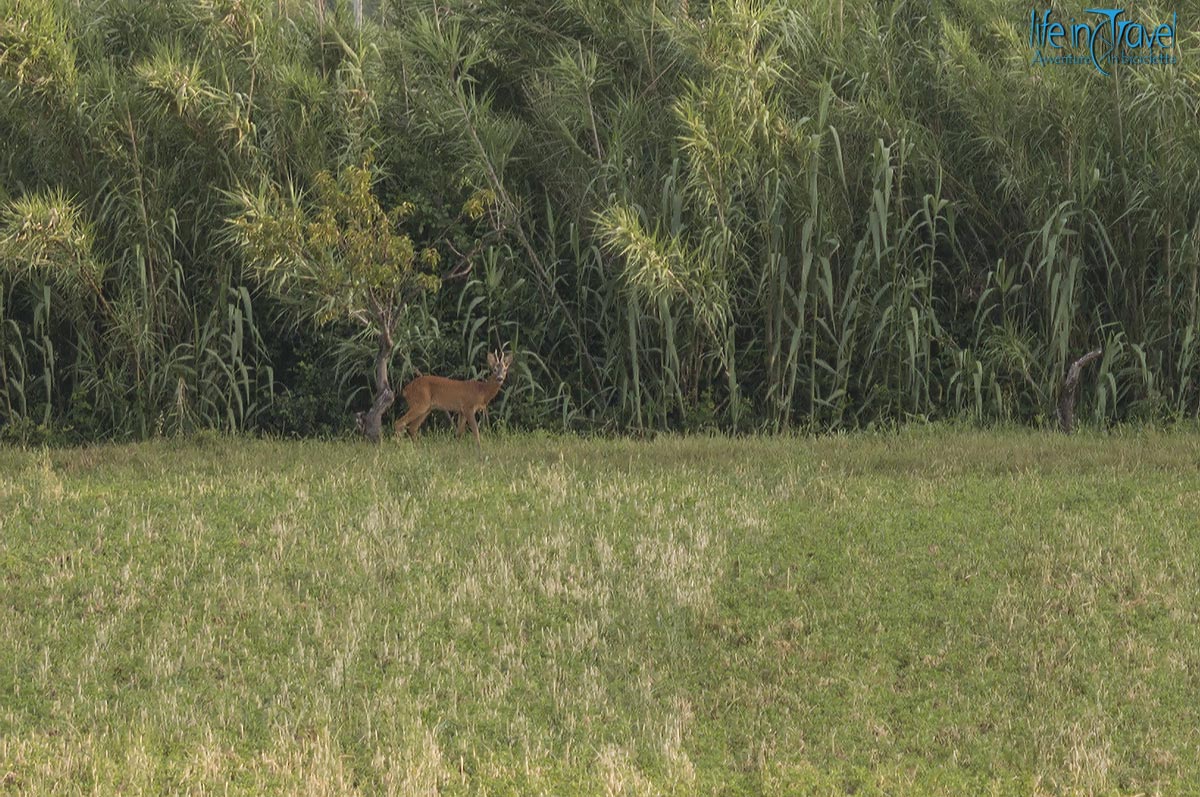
(491, 360)
(508, 358)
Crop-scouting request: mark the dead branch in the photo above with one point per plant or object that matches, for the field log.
(1066, 403)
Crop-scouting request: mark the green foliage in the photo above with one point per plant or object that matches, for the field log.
(48, 234)
(342, 260)
(755, 215)
(35, 52)
(310, 400)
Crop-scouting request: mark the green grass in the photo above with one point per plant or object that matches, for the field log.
(933, 612)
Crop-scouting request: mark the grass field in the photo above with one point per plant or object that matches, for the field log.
(930, 612)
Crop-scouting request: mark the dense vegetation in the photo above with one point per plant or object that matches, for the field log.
(681, 215)
(928, 613)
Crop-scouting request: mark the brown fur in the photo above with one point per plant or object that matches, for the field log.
(465, 397)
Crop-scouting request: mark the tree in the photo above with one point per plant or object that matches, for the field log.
(337, 256)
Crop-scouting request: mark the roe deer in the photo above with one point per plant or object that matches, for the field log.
(466, 397)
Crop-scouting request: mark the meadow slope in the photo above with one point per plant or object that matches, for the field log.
(934, 612)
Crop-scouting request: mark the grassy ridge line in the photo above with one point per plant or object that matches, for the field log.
(929, 612)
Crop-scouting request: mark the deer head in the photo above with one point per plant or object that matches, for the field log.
(498, 364)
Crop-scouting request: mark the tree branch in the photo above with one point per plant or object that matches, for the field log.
(1066, 404)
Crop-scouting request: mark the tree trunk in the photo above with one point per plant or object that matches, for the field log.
(370, 423)
(1066, 404)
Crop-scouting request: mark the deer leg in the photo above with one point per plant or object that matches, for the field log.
(462, 423)
(474, 428)
(414, 428)
(402, 423)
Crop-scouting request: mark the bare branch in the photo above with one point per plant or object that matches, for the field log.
(1066, 404)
